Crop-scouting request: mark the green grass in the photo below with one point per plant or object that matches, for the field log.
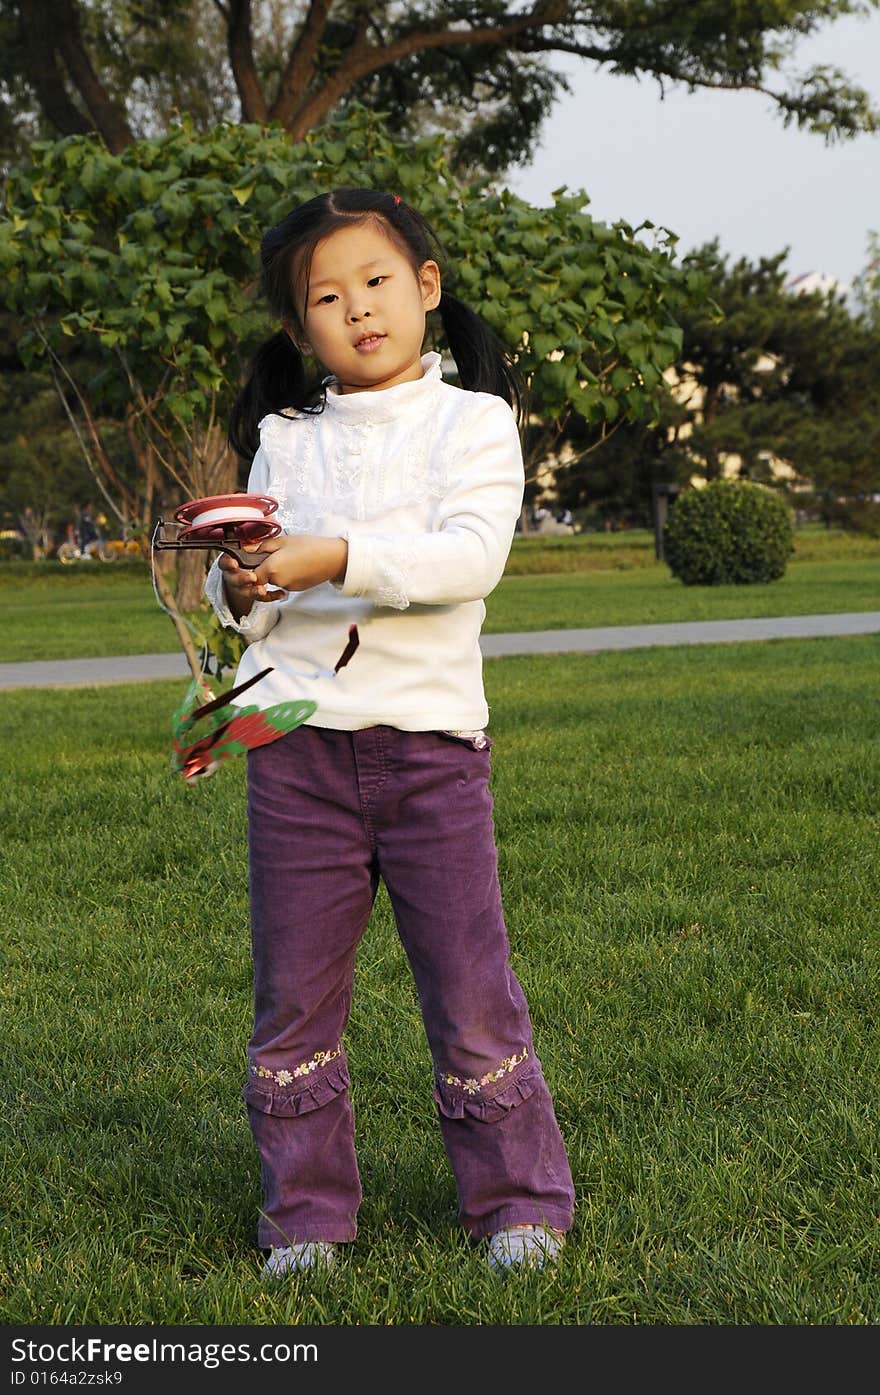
(590, 552)
(549, 583)
(688, 848)
(650, 596)
(55, 612)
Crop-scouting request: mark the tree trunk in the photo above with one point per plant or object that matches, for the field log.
(191, 568)
(211, 469)
(167, 599)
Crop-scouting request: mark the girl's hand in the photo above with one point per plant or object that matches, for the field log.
(242, 586)
(300, 561)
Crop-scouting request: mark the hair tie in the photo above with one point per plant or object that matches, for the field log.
(396, 198)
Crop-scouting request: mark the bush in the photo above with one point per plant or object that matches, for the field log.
(729, 532)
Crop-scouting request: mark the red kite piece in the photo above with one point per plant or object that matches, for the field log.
(209, 729)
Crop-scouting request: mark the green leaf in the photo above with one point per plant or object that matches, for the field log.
(543, 343)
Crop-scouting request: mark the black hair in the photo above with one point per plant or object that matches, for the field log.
(277, 379)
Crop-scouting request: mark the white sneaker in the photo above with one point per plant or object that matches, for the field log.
(293, 1259)
(526, 1246)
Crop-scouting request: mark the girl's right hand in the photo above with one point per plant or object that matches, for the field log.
(242, 587)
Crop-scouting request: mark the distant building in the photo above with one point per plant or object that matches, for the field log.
(810, 281)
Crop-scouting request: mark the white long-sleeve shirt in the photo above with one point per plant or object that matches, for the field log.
(425, 481)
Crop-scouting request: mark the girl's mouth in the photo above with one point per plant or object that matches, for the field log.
(369, 343)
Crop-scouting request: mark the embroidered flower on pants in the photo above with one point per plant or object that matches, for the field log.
(472, 1086)
(285, 1077)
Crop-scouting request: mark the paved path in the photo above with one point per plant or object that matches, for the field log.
(140, 668)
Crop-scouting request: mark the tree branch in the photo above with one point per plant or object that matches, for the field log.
(300, 68)
(58, 369)
(38, 36)
(658, 69)
(108, 120)
(364, 58)
(239, 43)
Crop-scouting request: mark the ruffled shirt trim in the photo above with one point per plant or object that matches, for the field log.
(350, 479)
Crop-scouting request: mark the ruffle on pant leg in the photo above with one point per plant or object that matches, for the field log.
(291, 1095)
(487, 1102)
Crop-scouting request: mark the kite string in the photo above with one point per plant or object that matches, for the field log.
(299, 673)
(203, 662)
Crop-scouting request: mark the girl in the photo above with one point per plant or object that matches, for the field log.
(398, 493)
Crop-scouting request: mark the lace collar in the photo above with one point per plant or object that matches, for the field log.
(387, 402)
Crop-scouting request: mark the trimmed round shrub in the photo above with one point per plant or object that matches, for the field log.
(728, 532)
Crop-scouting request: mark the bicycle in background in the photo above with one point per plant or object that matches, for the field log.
(98, 549)
(70, 551)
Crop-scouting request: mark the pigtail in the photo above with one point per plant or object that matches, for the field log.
(276, 381)
(481, 359)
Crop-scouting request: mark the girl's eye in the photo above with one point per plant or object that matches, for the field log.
(375, 280)
(326, 299)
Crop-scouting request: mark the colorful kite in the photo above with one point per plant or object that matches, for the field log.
(208, 729)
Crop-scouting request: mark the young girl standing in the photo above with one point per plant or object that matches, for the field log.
(398, 494)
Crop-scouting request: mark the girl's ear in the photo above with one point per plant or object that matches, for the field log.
(296, 337)
(429, 280)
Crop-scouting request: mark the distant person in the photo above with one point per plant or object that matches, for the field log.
(87, 533)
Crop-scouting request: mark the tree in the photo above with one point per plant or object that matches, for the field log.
(128, 68)
(866, 286)
(611, 487)
(150, 257)
(767, 378)
(784, 377)
(834, 439)
(44, 473)
(855, 455)
(43, 480)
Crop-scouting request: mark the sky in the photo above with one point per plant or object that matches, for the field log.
(720, 164)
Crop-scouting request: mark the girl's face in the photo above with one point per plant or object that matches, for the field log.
(364, 314)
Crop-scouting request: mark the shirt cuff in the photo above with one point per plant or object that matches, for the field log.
(357, 568)
(255, 624)
(380, 568)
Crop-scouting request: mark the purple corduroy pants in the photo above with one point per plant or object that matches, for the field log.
(329, 814)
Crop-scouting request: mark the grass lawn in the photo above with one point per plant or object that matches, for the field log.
(635, 548)
(55, 612)
(688, 846)
(650, 596)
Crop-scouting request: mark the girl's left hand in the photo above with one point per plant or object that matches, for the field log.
(301, 560)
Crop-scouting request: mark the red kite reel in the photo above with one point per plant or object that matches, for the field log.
(219, 521)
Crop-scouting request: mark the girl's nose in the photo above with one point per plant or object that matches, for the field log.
(355, 315)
